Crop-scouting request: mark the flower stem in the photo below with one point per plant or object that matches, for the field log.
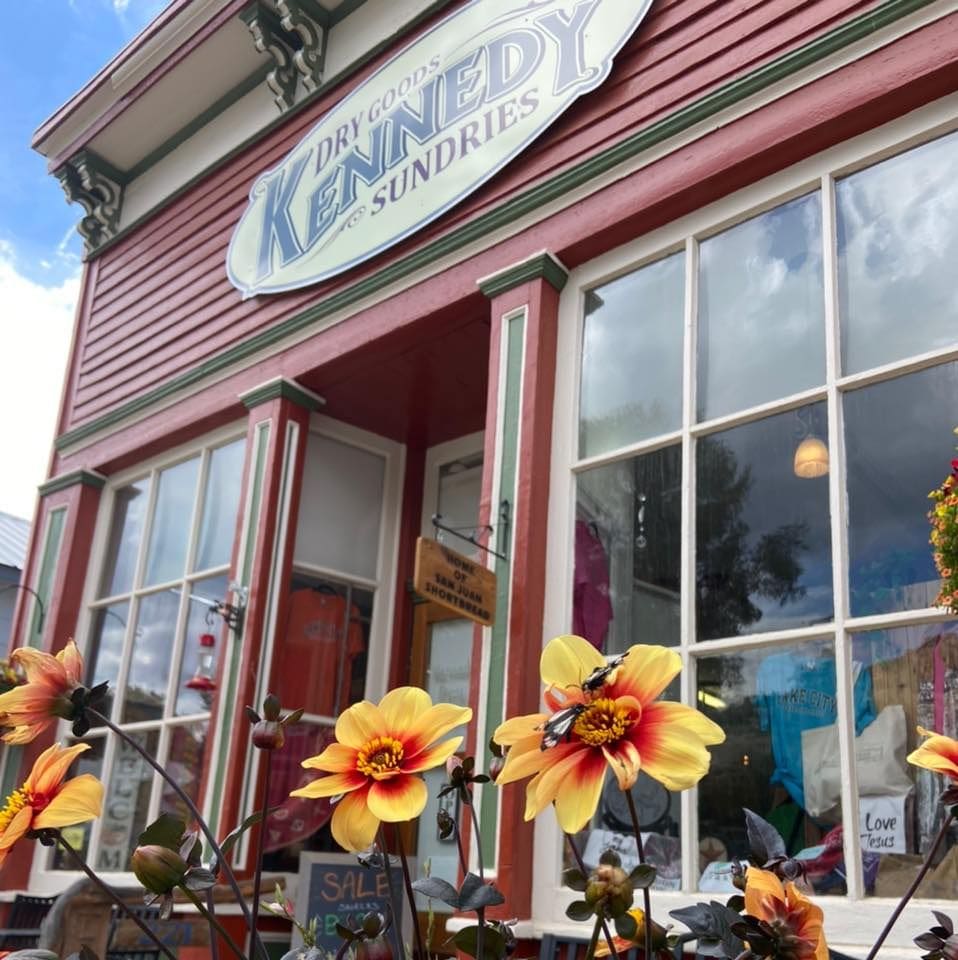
(393, 900)
(481, 911)
(594, 942)
(260, 841)
(407, 879)
(585, 872)
(646, 894)
(214, 943)
(213, 922)
(910, 892)
(184, 796)
(81, 863)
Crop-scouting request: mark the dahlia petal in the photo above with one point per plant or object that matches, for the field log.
(646, 671)
(533, 809)
(432, 757)
(41, 668)
(625, 762)
(938, 753)
(359, 723)
(760, 886)
(670, 753)
(402, 706)
(336, 758)
(567, 660)
(16, 828)
(353, 825)
(527, 758)
(331, 786)
(72, 662)
(398, 799)
(77, 801)
(51, 767)
(26, 732)
(559, 768)
(519, 728)
(577, 797)
(695, 723)
(430, 726)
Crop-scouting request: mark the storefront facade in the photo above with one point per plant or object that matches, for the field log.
(686, 358)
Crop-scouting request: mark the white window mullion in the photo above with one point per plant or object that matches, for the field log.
(844, 679)
(689, 798)
(156, 792)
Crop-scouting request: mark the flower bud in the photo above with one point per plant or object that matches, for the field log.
(610, 885)
(495, 767)
(376, 949)
(158, 868)
(268, 735)
(453, 764)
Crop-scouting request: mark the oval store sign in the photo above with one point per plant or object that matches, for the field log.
(431, 126)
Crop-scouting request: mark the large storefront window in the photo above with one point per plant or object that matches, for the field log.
(761, 506)
(165, 563)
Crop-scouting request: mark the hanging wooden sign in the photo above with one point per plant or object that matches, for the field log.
(455, 582)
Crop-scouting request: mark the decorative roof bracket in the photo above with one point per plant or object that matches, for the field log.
(97, 186)
(294, 35)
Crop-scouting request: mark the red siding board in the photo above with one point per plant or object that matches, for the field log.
(162, 302)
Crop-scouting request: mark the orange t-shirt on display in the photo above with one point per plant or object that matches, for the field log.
(310, 656)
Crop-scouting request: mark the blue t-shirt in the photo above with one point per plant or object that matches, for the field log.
(795, 693)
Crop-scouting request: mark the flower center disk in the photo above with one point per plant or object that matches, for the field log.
(15, 803)
(380, 755)
(602, 722)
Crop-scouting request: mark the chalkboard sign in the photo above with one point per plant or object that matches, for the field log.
(335, 887)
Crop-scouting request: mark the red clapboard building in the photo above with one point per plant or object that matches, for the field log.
(652, 301)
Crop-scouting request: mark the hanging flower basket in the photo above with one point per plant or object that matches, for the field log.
(944, 538)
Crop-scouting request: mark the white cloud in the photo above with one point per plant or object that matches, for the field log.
(120, 6)
(36, 328)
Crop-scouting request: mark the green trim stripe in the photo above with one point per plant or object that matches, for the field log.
(48, 568)
(257, 474)
(514, 331)
(11, 756)
(554, 188)
(543, 265)
(87, 478)
(287, 389)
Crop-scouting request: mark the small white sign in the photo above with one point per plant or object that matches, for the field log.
(882, 822)
(432, 125)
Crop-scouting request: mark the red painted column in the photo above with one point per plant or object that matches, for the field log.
(276, 443)
(531, 289)
(56, 570)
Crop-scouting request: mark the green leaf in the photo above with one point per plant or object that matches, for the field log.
(165, 831)
(575, 880)
(294, 717)
(643, 876)
(437, 889)
(345, 933)
(493, 944)
(610, 859)
(625, 926)
(474, 894)
(33, 954)
(579, 910)
(229, 841)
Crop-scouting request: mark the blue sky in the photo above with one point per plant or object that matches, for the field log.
(39, 247)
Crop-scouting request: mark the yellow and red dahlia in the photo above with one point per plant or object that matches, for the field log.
(45, 801)
(623, 945)
(938, 753)
(33, 706)
(794, 921)
(618, 723)
(373, 764)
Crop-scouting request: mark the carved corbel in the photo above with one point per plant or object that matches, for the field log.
(305, 19)
(270, 37)
(97, 186)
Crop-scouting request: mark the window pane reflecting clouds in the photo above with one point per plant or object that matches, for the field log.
(632, 357)
(221, 500)
(126, 529)
(761, 331)
(171, 522)
(185, 764)
(898, 439)
(106, 648)
(897, 250)
(763, 554)
(153, 639)
(628, 551)
(199, 621)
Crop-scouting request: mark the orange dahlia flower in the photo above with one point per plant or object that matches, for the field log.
(45, 801)
(938, 753)
(793, 920)
(623, 945)
(373, 764)
(45, 697)
(610, 718)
